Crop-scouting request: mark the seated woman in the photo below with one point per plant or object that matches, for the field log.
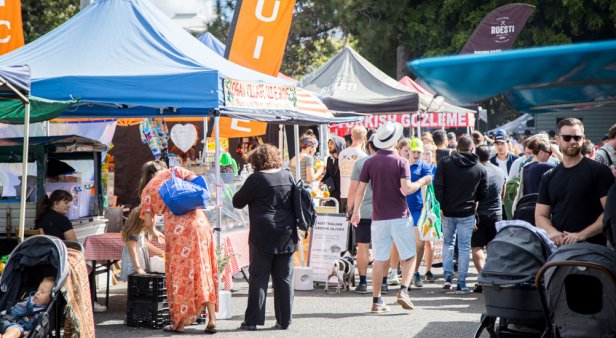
(51, 216)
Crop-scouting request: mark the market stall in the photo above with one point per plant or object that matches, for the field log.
(85, 185)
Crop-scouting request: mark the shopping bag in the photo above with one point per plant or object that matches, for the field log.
(430, 219)
(182, 196)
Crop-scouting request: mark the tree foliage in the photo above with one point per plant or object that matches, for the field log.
(40, 17)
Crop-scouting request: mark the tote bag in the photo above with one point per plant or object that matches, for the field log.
(430, 219)
(182, 196)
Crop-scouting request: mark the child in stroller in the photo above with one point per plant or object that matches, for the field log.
(22, 317)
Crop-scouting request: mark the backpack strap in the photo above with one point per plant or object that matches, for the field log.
(607, 155)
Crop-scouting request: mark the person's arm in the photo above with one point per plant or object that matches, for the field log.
(351, 195)
(439, 181)
(556, 151)
(359, 199)
(70, 235)
(132, 251)
(148, 219)
(155, 249)
(543, 221)
(409, 187)
(246, 194)
(594, 229)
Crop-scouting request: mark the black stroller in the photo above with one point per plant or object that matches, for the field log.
(514, 257)
(578, 291)
(32, 260)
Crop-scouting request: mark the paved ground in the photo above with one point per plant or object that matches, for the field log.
(320, 314)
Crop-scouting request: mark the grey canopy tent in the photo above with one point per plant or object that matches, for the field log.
(348, 82)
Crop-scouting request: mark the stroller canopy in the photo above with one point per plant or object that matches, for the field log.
(514, 256)
(35, 251)
(583, 252)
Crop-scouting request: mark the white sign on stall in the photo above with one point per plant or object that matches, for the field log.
(329, 237)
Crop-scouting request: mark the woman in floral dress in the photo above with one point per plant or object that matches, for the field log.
(190, 266)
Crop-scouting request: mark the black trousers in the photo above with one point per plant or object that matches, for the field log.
(280, 267)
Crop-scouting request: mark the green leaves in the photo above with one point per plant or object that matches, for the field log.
(40, 17)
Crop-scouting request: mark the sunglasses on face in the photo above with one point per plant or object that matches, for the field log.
(567, 138)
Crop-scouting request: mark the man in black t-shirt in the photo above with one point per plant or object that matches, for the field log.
(572, 196)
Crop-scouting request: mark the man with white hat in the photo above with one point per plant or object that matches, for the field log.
(389, 178)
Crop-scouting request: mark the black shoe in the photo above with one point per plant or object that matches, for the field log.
(280, 327)
(248, 327)
(478, 288)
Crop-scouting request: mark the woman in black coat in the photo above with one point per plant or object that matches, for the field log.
(273, 236)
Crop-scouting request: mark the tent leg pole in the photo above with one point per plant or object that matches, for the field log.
(204, 153)
(297, 176)
(281, 141)
(219, 185)
(24, 174)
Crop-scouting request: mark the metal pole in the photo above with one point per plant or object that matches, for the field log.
(297, 176)
(281, 141)
(219, 184)
(24, 172)
(204, 153)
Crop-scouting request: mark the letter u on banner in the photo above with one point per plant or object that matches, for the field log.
(11, 30)
(259, 33)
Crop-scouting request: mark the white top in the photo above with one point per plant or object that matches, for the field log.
(346, 161)
(502, 165)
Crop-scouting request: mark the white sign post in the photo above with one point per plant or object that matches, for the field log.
(329, 237)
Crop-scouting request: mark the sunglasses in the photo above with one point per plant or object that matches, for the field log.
(567, 138)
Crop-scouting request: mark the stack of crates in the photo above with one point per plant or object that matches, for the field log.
(147, 301)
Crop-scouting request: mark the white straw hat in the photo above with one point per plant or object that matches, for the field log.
(387, 135)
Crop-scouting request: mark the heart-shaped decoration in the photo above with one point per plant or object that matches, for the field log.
(184, 136)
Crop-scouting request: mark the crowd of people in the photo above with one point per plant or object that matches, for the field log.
(478, 180)
(380, 182)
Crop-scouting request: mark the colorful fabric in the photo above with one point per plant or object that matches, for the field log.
(155, 134)
(76, 290)
(190, 265)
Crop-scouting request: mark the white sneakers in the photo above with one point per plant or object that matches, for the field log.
(393, 277)
(96, 307)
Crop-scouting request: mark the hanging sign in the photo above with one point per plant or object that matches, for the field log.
(233, 127)
(328, 239)
(184, 136)
(242, 94)
(427, 120)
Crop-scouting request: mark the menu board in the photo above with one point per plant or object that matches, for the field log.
(329, 237)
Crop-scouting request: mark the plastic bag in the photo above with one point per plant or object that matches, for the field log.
(430, 219)
(182, 196)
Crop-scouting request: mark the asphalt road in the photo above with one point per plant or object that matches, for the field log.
(320, 314)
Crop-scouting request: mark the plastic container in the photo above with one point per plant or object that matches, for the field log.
(151, 287)
(141, 313)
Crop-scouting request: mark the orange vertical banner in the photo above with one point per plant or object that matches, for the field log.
(11, 27)
(259, 33)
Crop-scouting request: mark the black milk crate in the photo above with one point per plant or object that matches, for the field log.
(140, 313)
(151, 287)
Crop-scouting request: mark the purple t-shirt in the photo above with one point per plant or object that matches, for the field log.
(384, 172)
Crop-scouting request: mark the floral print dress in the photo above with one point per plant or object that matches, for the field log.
(190, 264)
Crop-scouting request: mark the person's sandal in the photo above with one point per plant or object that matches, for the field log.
(210, 329)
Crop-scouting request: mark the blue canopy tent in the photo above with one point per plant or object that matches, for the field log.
(213, 43)
(577, 77)
(125, 58)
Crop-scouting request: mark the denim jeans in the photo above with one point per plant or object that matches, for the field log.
(463, 228)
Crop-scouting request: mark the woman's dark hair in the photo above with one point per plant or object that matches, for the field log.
(265, 157)
(48, 202)
(148, 171)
